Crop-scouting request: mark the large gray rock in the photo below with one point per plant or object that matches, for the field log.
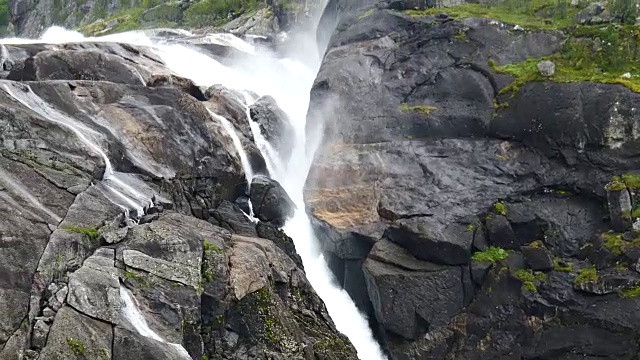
(94, 290)
(405, 107)
(270, 201)
(275, 125)
(430, 241)
(408, 303)
(74, 336)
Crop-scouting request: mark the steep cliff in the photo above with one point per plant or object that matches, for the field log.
(476, 181)
(90, 130)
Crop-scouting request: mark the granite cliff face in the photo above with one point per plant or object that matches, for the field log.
(190, 276)
(473, 214)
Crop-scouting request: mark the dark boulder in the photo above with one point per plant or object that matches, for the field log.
(270, 201)
(408, 303)
(537, 256)
(500, 232)
(275, 125)
(429, 240)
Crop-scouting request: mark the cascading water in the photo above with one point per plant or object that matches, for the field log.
(289, 82)
(121, 194)
(130, 312)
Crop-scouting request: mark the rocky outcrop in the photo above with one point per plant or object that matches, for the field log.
(274, 125)
(270, 201)
(31, 17)
(82, 275)
(423, 182)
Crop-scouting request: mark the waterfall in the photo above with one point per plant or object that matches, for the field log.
(122, 194)
(244, 159)
(133, 316)
(288, 81)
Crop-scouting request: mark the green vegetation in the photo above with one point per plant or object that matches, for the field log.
(470, 227)
(529, 279)
(140, 280)
(421, 109)
(559, 265)
(211, 248)
(555, 13)
(538, 244)
(592, 53)
(500, 208)
(90, 233)
(613, 242)
(104, 354)
(492, 254)
(76, 346)
(631, 180)
(631, 292)
(587, 275)
(166, 14)
(365, 15)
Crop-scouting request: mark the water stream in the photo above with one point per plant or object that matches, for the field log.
(122, 194)
(288, 80)
(131, 313)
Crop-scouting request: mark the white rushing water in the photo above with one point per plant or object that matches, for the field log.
(132, 314)
(122, 194)
(288, 80)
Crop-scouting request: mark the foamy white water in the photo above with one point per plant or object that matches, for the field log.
(125, 196)
(132, 314)
(289, 82)
(244, 160)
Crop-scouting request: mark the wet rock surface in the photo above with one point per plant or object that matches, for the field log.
(270, 201)
(80, 275)
(477, 232)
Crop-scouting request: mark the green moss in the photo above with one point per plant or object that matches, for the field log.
(76, 346)
(586, 276)
(90, 233)
(139, 280)
(630, 293)
(492, 254)
(500, 208)
(583, 58)
(365, 15)
(461, 36)
(211, 248)
(205, 357)
(558, 265)
(523, 13)
(538, 244)
(631, 180)
(529, 279)
(470, 227)
(421, 109)
(104, 354)
(613, 242)
(208, 274)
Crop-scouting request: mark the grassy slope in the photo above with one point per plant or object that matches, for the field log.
(599, 53)
(199, 14)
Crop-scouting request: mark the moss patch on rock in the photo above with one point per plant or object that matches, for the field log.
(603, 54)
(492, 254)
(420, 109)
(535, 14)
(588, 275)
